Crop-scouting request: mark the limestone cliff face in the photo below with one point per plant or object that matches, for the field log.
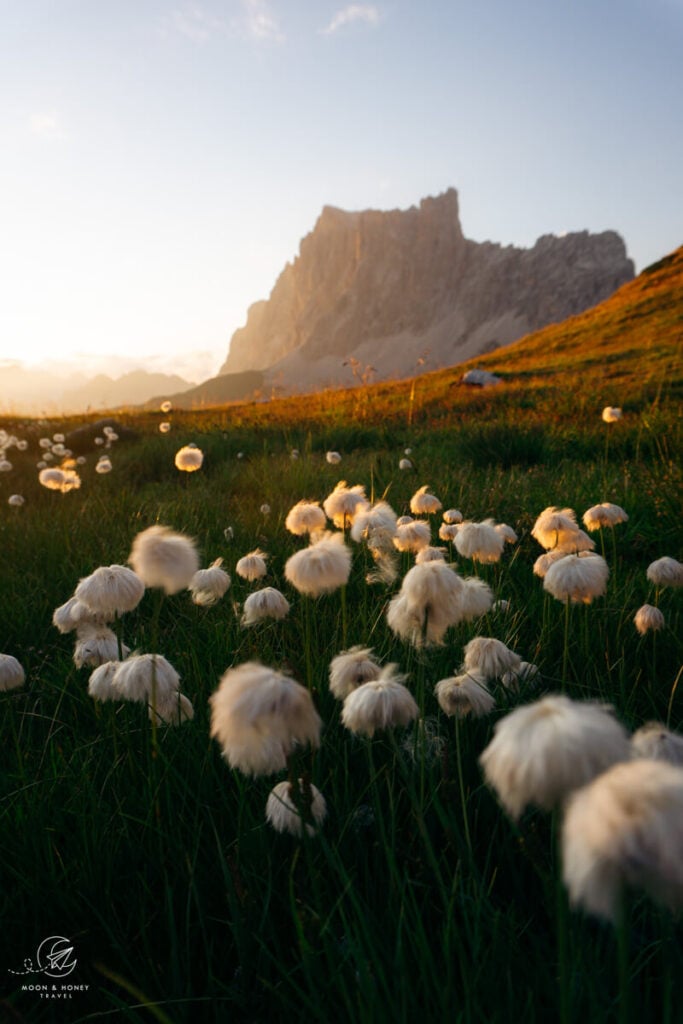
(388, 289)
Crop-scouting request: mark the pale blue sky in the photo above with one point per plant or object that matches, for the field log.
(162, 159)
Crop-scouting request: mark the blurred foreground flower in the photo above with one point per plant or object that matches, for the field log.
(163, 558)
(259, 717)
(625, 829)
(654, 741)
(543, 751)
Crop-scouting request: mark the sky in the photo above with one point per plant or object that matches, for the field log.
(162, 159)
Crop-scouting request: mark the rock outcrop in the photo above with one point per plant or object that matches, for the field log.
(404, 291)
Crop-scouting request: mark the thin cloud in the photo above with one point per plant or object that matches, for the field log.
(260, 22)
(47, 126)
(354, 12)
(195, 23)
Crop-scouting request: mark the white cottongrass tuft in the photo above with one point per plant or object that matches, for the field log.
(95, 645)
(604, 514)
(654, 741)
(543, 751)
(428, 603)
(208, 586)
(163, 558)
(665, 572)
(424, 503)
(452, 516)
(506, 532)
(405, 464)
(430, 554)
(345, 503)
(305, 517)
(259, 716)
(464, 695)
(377, 517)
(577, 578)
(63, 480)
(611, 414)
(334, 458)
(412, 535)
(383, 703)
(625, 829)
(555, 527)
(350, 669)
(189, 458)
(267, 603)
(320, 568)
(282, 813)
(110, 591)
(265, 509)
(12, 674)
(72, 614)
(252, 566)
(147, 678)
(526, 672)
(448, 531)
(175, 710)
(101, 683)
(16, 500)
(490, 657)
(543, 562)
(103, 465)
(479, 541)
(648, 618)
(164, 427)
(476, 599)
(166, 406)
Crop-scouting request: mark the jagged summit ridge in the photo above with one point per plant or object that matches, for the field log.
(391, 288)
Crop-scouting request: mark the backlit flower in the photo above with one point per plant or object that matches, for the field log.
(305, 517)
(577, 578)
(452, 516)
(383, 703)
(147, 678)
(344, 503)
(267, 603)
(367, 521)
(604, 514)
(100, 684)
(16, 500)
(72, 614)
(163, 558)
(189, 458)
(208, 586)
(464, 695)
(665, 572)
(95, 645)
(555, 527)
(479, 541)
(611, 414)
(648, 618)
(448, 531)
(164, 427)
(543, 751)
(350, 669)
(334, 458)
(110, 591)
(174, 710)
(490, 657)
(252, 566)
(625, 829)
(424, 503)
(430, 554)
(259, 716)
(412, 535)
(320, 568)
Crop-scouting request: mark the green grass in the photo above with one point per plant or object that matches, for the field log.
(180, 900)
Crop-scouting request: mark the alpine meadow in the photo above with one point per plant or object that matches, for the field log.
(361, 706)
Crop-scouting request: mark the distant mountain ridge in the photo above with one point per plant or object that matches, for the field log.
(34, 391)
(404, 289)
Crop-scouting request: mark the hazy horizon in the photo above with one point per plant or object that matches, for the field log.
(163, 163)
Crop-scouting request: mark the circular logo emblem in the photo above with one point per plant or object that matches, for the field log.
(55, 957)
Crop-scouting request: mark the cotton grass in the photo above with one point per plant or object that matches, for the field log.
(208, 586)
(665, 572)
(350, 669)
(383, 703)
(648, 619)
(110, 591)
(305, 517)
(543, 751)
(259, 716)
(623, 830)
(267, 603)
(282, 813)
(189, 458)
(12, 674)
(577, 578)
(464, 695)
(479, 541)
(163, 558)
(320, 568)
(653, 740)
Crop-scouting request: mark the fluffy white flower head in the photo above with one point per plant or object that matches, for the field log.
(163, 558)
(465, 694)
(189, 458)
(543, 751)
(267, 603)
(110, 591)
(490, 657)
(648, 618)
(555, 527)
(148, 678)
(12, 674)
(320, 568)
(412, 535)
(208, 586)
(345, 503)
(424, 503)
(305, 517)
(334, 458)
(479, 541)
(665, 572)
(604, 514)
(383, 703)
(625, 829)
(95, 645)
(653, 740)
(611, 414)
(350, 669)
(252, 566)
(259, 716)
(577, 578)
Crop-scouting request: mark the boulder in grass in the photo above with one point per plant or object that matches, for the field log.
(480, 378)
